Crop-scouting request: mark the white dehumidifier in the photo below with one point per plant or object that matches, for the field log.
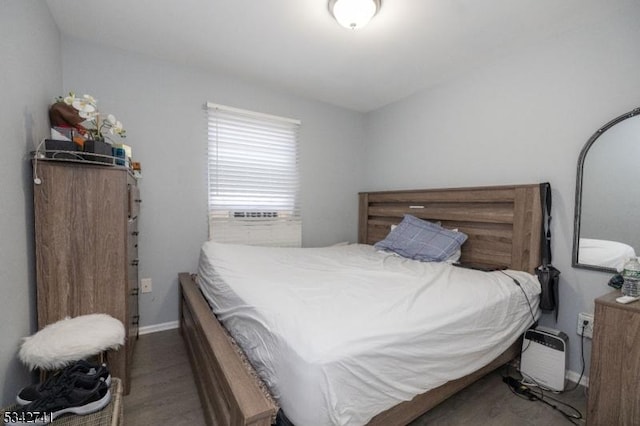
(544, 357)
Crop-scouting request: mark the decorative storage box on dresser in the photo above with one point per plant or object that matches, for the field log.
(614, 379)
(86, 231)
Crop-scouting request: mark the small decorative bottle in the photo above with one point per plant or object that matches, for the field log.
(631, 275)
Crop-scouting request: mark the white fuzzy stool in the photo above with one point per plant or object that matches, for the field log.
(71, 339)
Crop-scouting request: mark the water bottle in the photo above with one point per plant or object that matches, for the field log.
(631, 275)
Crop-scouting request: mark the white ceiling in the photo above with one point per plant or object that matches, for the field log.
(295, 45)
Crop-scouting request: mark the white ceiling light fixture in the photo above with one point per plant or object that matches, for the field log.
(353, 14)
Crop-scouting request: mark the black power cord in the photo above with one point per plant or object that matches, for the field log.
(525, 392)
(584, 324)
(533, 317)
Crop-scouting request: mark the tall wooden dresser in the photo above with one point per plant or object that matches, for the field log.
(614, 378)
(86, 231)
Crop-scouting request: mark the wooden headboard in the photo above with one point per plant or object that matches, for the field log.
(503, 222)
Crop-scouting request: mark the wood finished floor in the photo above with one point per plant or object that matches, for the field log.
(162, 388)
(163, 393)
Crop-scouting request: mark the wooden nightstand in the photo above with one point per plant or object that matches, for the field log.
(614, 379)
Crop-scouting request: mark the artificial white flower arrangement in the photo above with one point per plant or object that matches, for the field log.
(95, 124)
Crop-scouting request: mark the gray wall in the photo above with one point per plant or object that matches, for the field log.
(523, 119)
(161, 106)
(31, 77)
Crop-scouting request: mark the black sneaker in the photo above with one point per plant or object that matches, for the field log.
(86, 373)
(73, 399)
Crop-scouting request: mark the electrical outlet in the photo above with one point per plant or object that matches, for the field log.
(145, 285)
(588, 328)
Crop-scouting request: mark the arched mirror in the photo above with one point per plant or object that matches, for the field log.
(606, 227)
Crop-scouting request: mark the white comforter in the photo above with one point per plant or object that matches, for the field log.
(342, 333)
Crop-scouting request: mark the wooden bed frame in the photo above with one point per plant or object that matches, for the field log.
(504, 228)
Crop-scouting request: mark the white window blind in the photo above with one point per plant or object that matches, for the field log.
(253, 177)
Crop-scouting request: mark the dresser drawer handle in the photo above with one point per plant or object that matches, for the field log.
(135, 291)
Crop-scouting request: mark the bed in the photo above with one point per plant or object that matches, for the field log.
(503, 225)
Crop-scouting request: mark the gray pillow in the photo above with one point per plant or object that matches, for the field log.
(422, 240)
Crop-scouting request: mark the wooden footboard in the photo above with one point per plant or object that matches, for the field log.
(229, 395)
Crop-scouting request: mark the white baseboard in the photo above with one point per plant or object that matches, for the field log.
(148, 329)
(573, 376)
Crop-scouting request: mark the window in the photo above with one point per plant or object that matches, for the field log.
(253, 177)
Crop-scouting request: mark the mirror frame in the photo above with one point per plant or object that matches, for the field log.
(578, 206)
